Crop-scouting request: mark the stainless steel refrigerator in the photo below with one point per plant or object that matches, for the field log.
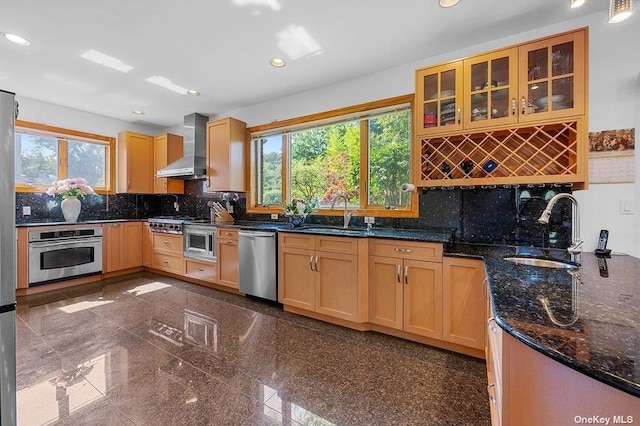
(8, 112)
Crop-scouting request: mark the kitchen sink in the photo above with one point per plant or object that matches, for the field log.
(544, 262)
(336, 231)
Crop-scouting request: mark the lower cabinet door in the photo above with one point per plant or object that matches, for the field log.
(422, 283)
(337, 285)
(464, 305)
(385, 291)
(296, 277)
(228, 267)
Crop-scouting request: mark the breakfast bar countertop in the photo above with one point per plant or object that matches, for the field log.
(592, 319)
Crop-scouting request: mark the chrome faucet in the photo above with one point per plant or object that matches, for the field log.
(576, 242)
(347, 214)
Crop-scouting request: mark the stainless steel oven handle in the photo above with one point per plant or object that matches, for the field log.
(75, 242)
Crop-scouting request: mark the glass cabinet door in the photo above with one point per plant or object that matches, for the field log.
(490, 89)
(438, 98)
(552, 74)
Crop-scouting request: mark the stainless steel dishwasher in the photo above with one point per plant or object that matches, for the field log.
(258, 259)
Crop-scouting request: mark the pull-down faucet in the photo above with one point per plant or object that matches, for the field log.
(347, 214)
(576, 242)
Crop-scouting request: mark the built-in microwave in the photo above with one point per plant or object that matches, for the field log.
(199, 241)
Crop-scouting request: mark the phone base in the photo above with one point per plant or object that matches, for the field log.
(602, 253)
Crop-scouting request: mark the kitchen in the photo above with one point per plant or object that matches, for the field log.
(613, 103)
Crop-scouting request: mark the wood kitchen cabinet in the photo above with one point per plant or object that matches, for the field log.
(320, 274)
(167, 253)
(147, 245)
(228, 265)
(122, 246)
(522, 380)
(226, 155)
(135, 168)
(463, 300)
(167, 148)
(512, 116)
(405, 293)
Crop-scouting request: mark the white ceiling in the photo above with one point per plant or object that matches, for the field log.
(222, 47)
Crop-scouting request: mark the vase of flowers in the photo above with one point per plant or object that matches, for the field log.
(297, 211)
(70, 190)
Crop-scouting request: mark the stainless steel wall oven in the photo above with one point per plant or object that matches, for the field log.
(58, 254)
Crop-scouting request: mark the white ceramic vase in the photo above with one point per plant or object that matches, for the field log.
(70, 209)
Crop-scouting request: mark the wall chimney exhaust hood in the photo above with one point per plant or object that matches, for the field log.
(193, 163)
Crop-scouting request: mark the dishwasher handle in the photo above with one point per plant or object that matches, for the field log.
(252, 234)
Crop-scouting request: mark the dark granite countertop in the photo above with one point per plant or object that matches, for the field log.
(435, 235)
(83, 222)
(594, 320)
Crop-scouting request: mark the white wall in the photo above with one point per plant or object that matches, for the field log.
(614, 66)
(69, 118)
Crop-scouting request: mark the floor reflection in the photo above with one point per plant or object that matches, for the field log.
(191, 355)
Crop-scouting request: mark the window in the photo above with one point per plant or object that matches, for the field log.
(364, 153)
(45, 154)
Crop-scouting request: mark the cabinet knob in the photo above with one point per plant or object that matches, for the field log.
(492, 327)
(459, 115)
(514, 106)
(166, 262)
(199, 269)
(398, 269)
(523, 105)
(166, 242)
(406, 274)
(128, 184)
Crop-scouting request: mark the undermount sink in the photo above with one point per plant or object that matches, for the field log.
(336, 231)
(543, 262)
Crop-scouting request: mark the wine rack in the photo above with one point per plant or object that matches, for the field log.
(542, 153)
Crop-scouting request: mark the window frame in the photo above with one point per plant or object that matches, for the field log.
(63, 135)
(333, 116)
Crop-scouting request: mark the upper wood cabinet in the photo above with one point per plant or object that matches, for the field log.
(552, 76)
(512, 116)
(541, 80)
(226, 155)
(134, 153)
(167, 148)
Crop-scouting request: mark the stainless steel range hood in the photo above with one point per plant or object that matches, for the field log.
(192, 165)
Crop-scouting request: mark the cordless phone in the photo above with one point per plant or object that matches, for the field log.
(602, 250)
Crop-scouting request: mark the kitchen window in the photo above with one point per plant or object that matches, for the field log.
(362, 151)
(44, 154)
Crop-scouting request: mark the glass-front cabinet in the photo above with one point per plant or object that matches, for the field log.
(491, 89)
(552, 77)
(439, 105)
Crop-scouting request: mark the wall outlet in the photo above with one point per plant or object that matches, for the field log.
(369, 219)
(26, 210)
(274, 216)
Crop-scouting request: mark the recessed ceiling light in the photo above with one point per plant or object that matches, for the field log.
(14, 38)
(448, 3)
(277, 62)
(137, 112)
(193, 93)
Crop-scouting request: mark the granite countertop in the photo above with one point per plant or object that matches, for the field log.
(594, 320)
(83, 222)
(434, 235)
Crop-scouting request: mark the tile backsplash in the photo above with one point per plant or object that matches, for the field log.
(493, 215)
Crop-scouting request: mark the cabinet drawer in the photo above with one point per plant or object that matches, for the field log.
(205, 271)
(227, 234)
(167, 262)
(431, 252)
(303, 241)
(167, 243)
(345, 245)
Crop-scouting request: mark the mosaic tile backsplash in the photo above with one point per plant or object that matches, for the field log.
(493, 216)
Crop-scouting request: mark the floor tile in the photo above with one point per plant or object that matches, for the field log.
(148, 349)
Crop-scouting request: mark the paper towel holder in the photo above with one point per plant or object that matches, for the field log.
(408, 187)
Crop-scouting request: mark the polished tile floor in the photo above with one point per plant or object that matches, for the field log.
(151, 350)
